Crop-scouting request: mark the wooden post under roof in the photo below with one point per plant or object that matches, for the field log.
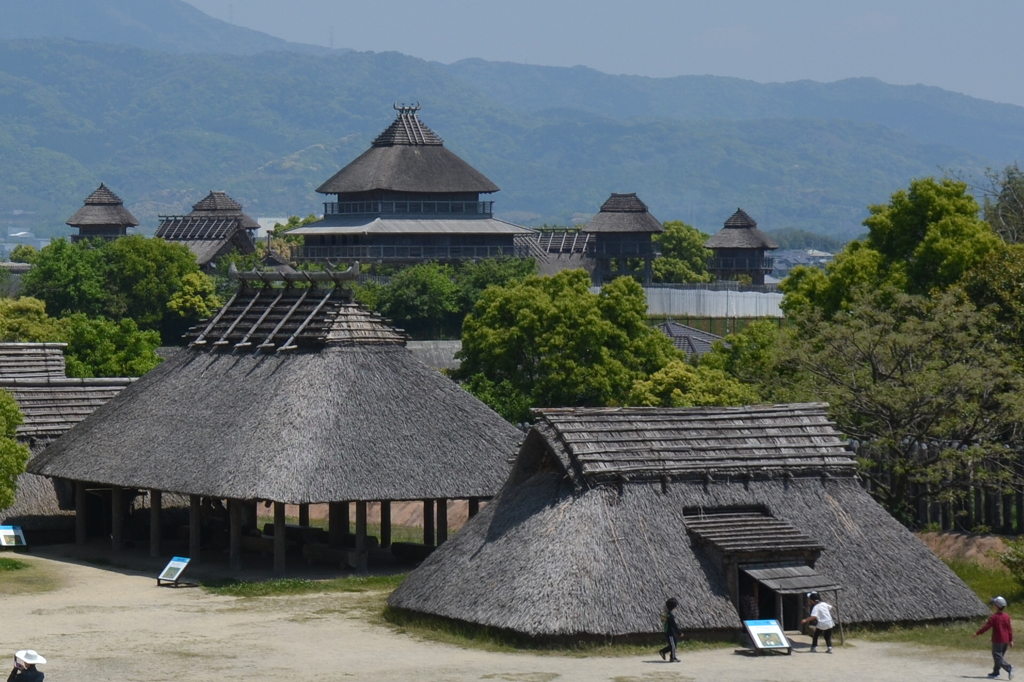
(385, 524)
(303, 514)
(474, 506)
(193, 528)
(280, 540)
(361, 536)
(156, 499)
(235, 535)
(117, 518)
(81, 534)
(442, 520)
(428, 523)
(335, 531)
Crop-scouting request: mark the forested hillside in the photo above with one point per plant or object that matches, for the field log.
(163, 129)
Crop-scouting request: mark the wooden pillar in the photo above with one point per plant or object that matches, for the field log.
(360, 527)
(778, 611)
(428, 523)
(117, 518)
(474, 506)
(335, 518)
(1019, 508)
(385, 524)
(80, 522)
(235, 535)
(280, 540)
(303, 514)
(193, 528)
(442, 520)
(156, 500)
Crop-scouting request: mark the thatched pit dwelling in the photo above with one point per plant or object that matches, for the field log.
(608, 512)
(294, 394)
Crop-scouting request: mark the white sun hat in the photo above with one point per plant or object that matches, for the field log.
(30, 657)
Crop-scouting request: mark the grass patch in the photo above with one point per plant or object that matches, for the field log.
(470, 636)
(294, 586)
(26, 577)
(985, 582)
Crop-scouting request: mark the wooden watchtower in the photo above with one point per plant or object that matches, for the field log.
(103, 216)
(620, 233)
(739, 249)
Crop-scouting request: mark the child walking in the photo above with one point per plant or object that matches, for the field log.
(821, 616)
(1002, 637)
(672, 631)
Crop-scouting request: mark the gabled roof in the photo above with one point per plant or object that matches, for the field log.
(105, 208)
(293, 395)
(188, 228)
(407, 157)
(601, 445)
(624, 213)
(690, 340)
(215, 226)
(219, 204)
(32, 360)
(740, 232)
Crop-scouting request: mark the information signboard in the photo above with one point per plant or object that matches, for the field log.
(171, 574)
(11, 536)
(767, 635)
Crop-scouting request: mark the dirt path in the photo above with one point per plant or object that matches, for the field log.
(108, 625)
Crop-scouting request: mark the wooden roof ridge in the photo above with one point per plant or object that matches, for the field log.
(602, 445)
(32, 360)
(407, 129)
(624, 203)
(740, 219)
(103, 196)
(217, 201)
(198, 227)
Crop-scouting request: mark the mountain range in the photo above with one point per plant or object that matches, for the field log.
(163, 104)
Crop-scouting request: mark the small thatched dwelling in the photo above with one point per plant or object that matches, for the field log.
(215, 227)
(608, 512)
(290, 395)
(51, 403)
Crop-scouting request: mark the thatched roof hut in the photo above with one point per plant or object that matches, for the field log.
(622, 213)
(216, 226)
(103, 216)
(608, 512)
(739, 250)
(621, 231)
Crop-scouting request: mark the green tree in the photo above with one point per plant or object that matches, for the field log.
(24, 253)
(679, 384)
(997, 284)
(98, 347)
(422, 299)
(927, 388)
(683, 256)
(473, 277)
(926, 238)
(1003, 206)
(25, 320)
(548, 341)
(69, 278)
(13, 455)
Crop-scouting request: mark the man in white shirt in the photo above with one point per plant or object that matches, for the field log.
(821, 616)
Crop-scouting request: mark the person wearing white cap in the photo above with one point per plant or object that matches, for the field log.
(25, 662)
(1002, 637)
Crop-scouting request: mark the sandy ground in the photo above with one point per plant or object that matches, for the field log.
(107, 624)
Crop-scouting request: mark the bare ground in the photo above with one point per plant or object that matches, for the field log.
(101, 623)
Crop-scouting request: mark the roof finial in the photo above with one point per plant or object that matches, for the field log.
(404, 108)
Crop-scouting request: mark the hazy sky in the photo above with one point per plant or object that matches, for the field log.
(969, 46)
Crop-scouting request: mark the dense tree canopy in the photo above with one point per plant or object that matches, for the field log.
(13, 455)
(683, 256)
(132, 277)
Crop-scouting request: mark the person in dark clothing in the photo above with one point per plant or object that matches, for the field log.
(1002, 637)
(672, 631)
(25, 662)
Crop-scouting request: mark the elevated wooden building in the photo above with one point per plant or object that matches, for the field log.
(608, 512)
(102, 217)
(408, 199)
(288, 395)
(619, 233)
(215, 227)
(740, 249)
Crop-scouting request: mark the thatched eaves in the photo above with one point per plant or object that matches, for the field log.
(220, 205)
(624, 213)
(740, 232)
(408, 157)
(103, 208)
(298, 401)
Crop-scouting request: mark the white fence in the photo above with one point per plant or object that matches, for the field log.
(663, 301)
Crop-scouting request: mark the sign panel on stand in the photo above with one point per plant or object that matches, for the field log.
(11, 536)
(171, 575)
(767, 635)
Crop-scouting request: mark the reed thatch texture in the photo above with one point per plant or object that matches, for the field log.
(624, 213)
(740, 232)
(564, 550)
(298, 405)
(103, 208)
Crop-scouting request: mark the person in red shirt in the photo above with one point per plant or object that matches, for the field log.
(1002, 636)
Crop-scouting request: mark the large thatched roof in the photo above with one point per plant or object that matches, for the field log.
(740, 232)
(624, 213)
(103, 208)
(609, 512)
(407, 157)
(293, 395)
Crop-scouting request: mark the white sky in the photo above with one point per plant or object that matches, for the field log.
(968, 46)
